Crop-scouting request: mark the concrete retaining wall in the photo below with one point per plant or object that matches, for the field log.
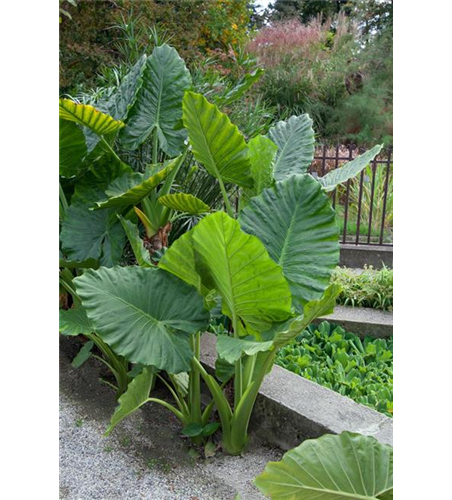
(290, 408)
(369, 255)
(362, 320)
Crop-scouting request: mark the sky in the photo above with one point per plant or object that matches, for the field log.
(262, 3)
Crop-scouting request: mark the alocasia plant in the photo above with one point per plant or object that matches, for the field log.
(266, 265)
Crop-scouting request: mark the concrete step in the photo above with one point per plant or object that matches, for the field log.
(363, 321)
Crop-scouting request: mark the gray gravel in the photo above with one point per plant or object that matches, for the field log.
(146, 456)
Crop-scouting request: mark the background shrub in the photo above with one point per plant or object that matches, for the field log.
(95, 36)
(369, 289)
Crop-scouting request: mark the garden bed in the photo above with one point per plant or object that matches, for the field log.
(146, 457)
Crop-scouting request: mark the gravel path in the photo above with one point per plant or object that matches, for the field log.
(145, 457)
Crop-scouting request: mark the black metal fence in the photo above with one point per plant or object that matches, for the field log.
(364, 204)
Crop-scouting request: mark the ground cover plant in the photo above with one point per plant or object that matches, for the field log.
(370, 288)
(341, 361)
(262, 254)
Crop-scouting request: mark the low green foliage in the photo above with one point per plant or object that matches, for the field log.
(368, 289)
(339, 360)
(331, 467)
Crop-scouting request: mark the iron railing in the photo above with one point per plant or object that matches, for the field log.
(364, 204)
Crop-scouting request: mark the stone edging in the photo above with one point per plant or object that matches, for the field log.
(362, 321)
(290, 409)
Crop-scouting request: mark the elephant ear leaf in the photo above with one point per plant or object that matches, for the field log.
(88, 116)
(74, 321)
(88, 235)
(216, 142)
(295, 221)
(131, 188)
(295, 141)
(251, 285)
(331, 467)
(129, 307)
(184, 202)
(349, 170)
(124, 98)
(72, 148)
(312, 310)
(137, 395)
(231, 349)
(262, 154)
(158, 103)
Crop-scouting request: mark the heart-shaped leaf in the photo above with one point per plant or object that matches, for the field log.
(158, 103)
(88, 116)
(231, 349)
(295, 140)
(131, 188)
(74, 321)
(348, 466)
(297, 225)
(144, 314)
(184, 202)
(216, 142)
(349, 170)
(72, 148)
(262, 153)
(238, 267)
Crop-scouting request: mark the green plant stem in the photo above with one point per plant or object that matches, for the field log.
(119, 368)
(226, 199)
(110, 149)
(155, 145)
(171, 408)
(195, 382)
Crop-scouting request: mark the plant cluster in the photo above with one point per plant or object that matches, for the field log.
(263, 254)
(339, 360)
(371, 288)
(105, 33)
(332, 60)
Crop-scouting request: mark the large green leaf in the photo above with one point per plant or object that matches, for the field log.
(285, 332)
(89, 235)
(349, 170)
(137, 395)
(146, 315)
(295, 140)
(75, 321)
(72, 148)
(216, 143)
(237, 265)
(179, 260)
(262, 152)
(345, 467)
(88, 116)
(297, 225)
(159, 102)
(184, 202)
(231, 349)
(123, 99)
(131, 188)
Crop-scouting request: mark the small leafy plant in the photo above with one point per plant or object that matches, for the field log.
(372, 288)
(331, 467)
(339, 360)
